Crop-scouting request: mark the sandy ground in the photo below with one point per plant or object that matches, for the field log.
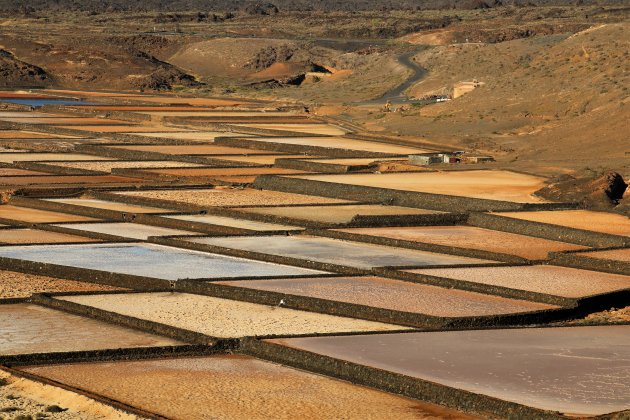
(224, 318)
(560, 281)
(33, 236)
(108, 166)
(395, 295)
(16, 172)
(18, 285)
(26, 214)
(617, 254)
(7, 172)
(227, 197)
(31, 399)
(493, 185)
(20, 157)
(472, 238)
(237, 387)
(25, 114)
(579, 219)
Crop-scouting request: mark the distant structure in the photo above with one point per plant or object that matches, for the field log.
(463, 88)
(448, 158)
(477, 159)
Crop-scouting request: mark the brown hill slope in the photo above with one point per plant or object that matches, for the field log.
(95, 62)
(556, 100)
(15, 72)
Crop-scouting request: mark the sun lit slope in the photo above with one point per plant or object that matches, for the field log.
(558, 97)
(354, 76)
(221, 57)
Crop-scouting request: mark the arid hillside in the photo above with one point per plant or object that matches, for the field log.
(14, 72)
(101, 62)
(556, 99)
(304, 5)
(552, 80)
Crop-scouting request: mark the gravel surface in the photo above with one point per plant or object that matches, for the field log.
(612, 316)
(108, 166)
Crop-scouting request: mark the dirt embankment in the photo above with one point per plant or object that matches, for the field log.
(595, 191)
(14, 72)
